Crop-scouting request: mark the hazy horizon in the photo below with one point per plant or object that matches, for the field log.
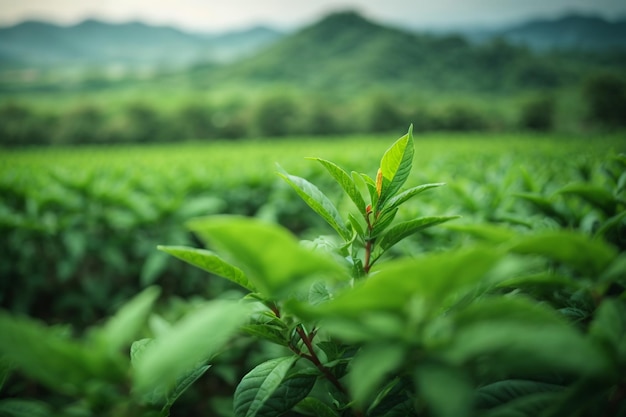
(195, 16)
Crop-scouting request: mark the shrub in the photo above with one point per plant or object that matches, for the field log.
(605, 95)
(538, 114)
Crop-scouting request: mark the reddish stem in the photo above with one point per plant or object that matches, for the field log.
(312, 356)
(368, 254)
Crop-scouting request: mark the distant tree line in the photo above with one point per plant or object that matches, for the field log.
(279, 114)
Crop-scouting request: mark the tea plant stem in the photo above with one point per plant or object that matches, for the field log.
(616, 399)
(368, 254)
(312, 356)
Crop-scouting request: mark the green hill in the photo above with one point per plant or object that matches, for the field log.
(346, 52)
(96, 43)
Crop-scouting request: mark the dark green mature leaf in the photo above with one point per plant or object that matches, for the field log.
(410, 193)
(502, 392)
(346, 182)
(5, 370)
(14, 407)
(369, 368)
(394, 400)
(182, 384)
(518, 335)
(575, 249)
(272, 258)
(596, 196)
(446, 390)
(122, 328)
(267, 391)
(313, 407)
(190, 342)
(396, 164)
(612, 225)
(404, 229)
(267, 332)
(210, 262)
(318, 201)
(608, 328)
(529, 406)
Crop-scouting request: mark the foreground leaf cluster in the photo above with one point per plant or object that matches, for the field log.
(524, 322)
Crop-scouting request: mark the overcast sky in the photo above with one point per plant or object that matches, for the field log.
(221, 15)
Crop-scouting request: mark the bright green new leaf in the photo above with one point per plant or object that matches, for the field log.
(488, 232)
(404, 229)
(396, 164)
(267, 391)
(544, 205)
(189, 343)
(210, 262)
(382, 222)
(433, 278)
(346, 182)
(318, 201)
(272, 258)
(369, 368)
(52, 358)
(122, 328)
(575, 249)
(410, 193)
(446, 390)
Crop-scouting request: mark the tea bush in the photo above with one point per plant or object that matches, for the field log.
(522, 313)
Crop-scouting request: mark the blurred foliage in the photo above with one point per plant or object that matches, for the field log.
(515, 308)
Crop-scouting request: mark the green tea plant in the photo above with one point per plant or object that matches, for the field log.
(524, 322)
(459, 333)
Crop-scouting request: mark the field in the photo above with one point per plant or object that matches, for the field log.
(80, 227)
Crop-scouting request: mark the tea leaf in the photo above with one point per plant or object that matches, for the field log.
(52, 358)
(124, 326)
(210, 262)
(595, 195)
(318, 201)
(314, 407)
(446, 390)
(404, 229)
(257, 393)
(271, 256)
(396, 164)
(517, 335)
(502, 392)
(369, 368)
(14, 407)
(410, 193)
(432, 278)
(346, 182)
(574, 249)
(192, 341)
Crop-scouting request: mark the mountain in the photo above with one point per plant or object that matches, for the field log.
(569, 32)
(347, 51)
(94, 42)
(572, 32)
